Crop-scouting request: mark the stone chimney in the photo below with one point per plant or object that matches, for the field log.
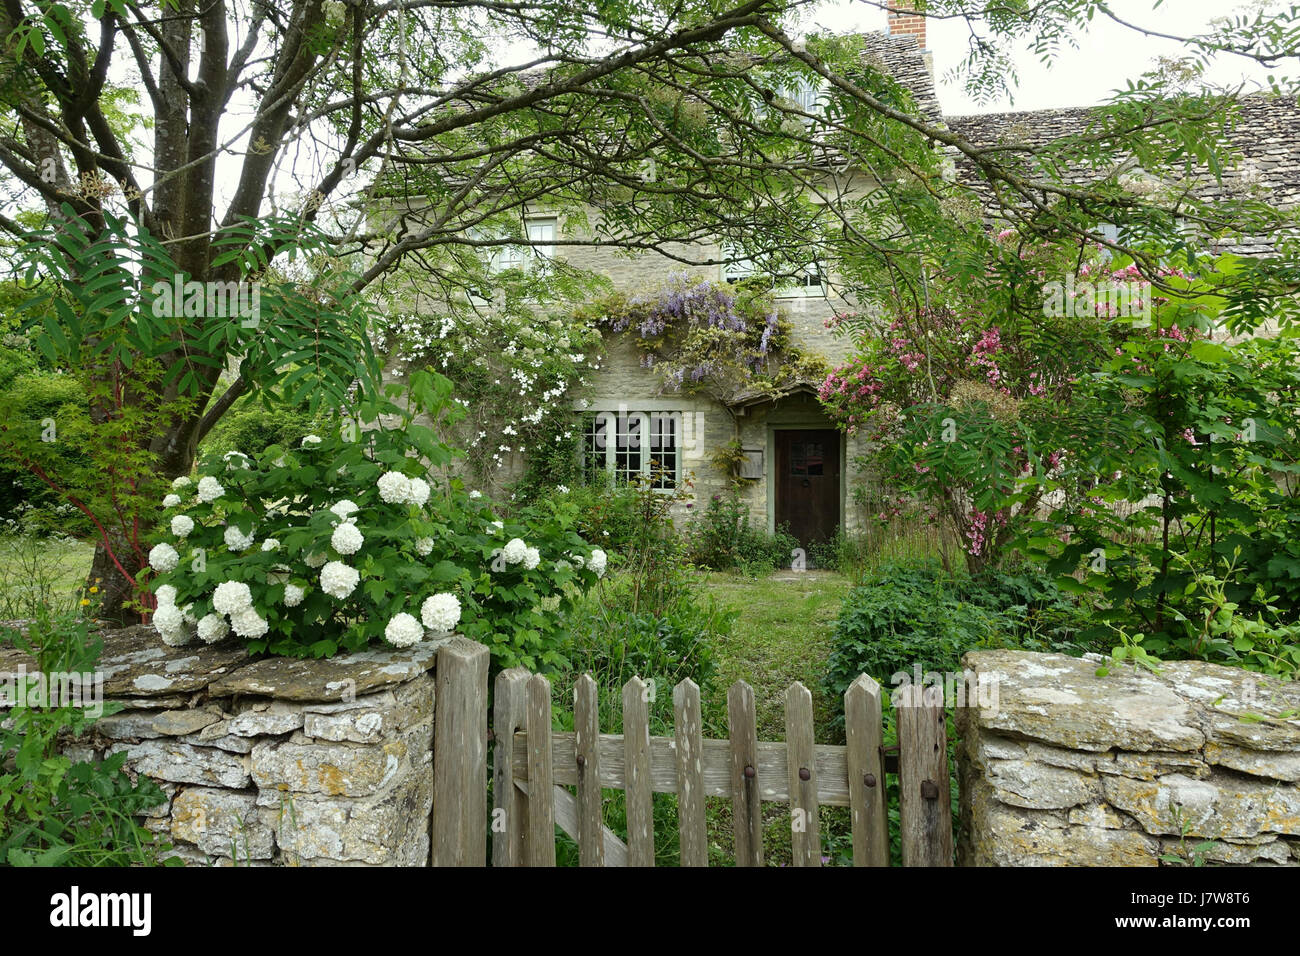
(906, 22)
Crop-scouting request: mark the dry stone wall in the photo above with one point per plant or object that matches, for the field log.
(275, 761)
(1073, 769)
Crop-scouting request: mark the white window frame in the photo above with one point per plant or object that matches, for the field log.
(807, 94)
(643, 421)
(811, 286)
(540, 248)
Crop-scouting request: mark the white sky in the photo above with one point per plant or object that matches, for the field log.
(1108, 54)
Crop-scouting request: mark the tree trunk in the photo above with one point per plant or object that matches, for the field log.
(115, 589)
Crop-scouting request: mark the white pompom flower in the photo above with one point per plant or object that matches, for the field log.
(271, 544)
(163, 557)
(168, 621)
(310, 441)
(532, 558)
(248, 623)
(440, 612)
(394, 487)
(314, 560)
(165, 594)
(231, 597)
(293, 595)
(347, 538)
(171, 501)
(178, 637)
(338, 580)
(476, 494)
(182, 525)
(597, 562)
(236, 540)
(514, 551)
(424, 547)
(212, 628)
(345, 508)
(578, 560)
(403, 630)
(210, 489)
(418, 492)
(182, 482)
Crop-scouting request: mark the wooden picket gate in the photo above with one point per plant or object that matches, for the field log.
(534, 765)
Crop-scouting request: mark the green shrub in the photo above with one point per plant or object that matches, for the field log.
(721, 538)
(348, 539)
(250, 426)
(918, 614)
(47, 404)
(55, 811)
(608, 511)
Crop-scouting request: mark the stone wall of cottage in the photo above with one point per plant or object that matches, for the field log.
(1072, 769)
(274, 762)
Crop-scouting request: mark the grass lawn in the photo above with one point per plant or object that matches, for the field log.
(36, 571)
(783, 635)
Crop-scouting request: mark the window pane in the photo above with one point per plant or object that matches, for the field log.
(807, 459)
(627, 451)
(664, 429)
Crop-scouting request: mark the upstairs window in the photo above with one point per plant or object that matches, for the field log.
(804, 93)
(541, 234)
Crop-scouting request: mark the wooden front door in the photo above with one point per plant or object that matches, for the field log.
(808, 483)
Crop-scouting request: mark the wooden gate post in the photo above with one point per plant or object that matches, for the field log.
(925, 798)
(509, 803)
(458, 826)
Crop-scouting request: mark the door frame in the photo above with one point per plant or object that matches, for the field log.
(769, 469)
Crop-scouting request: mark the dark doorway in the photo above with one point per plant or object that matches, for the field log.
(808, 483)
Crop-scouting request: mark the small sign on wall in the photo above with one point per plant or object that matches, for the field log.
(752, 466)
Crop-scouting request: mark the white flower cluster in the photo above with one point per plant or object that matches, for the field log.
(210, 489)
(396, 489)
(403, 630)
(237, 540)
(517, 552)
(163, 557)
(441, 612)
(338, 580)
(345, 508)
(347, 538)
(234, 600)
(175, 625)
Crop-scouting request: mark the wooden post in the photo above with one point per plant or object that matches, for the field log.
(509, 803)
(866, 773)
(925, 803)
(688, 730)
(540, 842)
(805, 823)
(458, 827)
(586, 723)
(639, 796)
(746, 799)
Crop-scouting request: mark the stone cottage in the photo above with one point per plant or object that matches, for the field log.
(799, 470)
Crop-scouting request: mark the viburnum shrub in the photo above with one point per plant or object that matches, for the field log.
(355, 537)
